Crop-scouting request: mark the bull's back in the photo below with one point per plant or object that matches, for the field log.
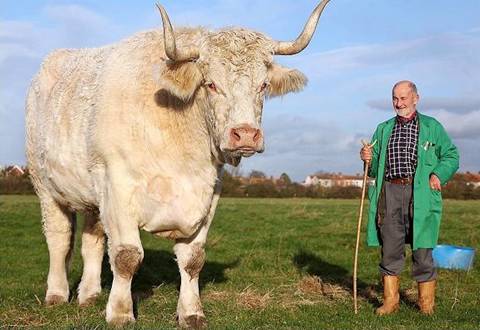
(60, 112)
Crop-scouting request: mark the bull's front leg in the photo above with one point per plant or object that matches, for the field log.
(124, 249)
(191, 258)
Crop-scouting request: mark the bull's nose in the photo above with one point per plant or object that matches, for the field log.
(245, 137)
(245, 133)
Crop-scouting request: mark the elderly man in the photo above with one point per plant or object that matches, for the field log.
(411, 160)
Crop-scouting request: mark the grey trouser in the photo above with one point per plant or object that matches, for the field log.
(396, 230)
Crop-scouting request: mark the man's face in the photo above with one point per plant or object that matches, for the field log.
(404, 100)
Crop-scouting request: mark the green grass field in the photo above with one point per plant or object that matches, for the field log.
(271, 263)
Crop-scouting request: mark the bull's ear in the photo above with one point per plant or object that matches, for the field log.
(284, 80)
(180, 79)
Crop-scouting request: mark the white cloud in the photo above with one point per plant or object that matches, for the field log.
(300, 145)
(460, 126)
(474, 30)
(22, 47)
(249, 14)
(293, 134)
(75, 14)
(443, 51)
(18, 39)
(78, 26)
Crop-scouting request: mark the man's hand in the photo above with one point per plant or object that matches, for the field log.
(435, 183)
(366, 153)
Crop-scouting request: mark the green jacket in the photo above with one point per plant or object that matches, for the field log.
(436, 154)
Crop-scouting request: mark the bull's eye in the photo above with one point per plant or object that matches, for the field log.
(263, 87)
(212, 87)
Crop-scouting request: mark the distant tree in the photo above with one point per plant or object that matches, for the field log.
(285, 179)
(234, 171)
(19, 185)
(266, 189)
(460, 187)
(257, 174)
(231, 186)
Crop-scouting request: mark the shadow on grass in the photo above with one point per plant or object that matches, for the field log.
(160, 267)
(309, 263)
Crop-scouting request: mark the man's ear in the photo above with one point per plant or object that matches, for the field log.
(180, 79)
(417, 99)
(284, 80)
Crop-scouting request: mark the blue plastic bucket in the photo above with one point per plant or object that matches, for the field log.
(453, 257)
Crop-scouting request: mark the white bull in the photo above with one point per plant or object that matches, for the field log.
(135, 136)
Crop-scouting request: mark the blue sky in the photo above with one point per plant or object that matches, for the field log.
(360, 49)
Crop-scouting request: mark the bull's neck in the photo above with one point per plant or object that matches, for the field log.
(190, 132)
(184, 130)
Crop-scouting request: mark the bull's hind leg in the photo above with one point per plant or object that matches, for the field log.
(59, 229)
(191, 258)
(93, 239)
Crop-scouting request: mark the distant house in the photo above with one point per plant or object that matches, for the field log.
(14, 170)
(316, 180)
(471, 179)
(475, 184)
(329, 180)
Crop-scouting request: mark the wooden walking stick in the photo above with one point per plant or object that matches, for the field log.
(366, 165)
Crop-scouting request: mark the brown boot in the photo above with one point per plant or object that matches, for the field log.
(391, 297)
(426, 297)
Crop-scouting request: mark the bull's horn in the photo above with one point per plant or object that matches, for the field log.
(294, 47)
(171, 49)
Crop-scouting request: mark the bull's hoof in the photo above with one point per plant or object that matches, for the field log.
(120, 320)
(89, 301)
(54, 299)
(192, 322)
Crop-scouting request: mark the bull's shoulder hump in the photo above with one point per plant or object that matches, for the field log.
(55, 62)
(58, 58)
(64, 62)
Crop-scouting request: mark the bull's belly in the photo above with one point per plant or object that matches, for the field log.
(177, 213)
(71, 185)
(74, 196)
(59, 154)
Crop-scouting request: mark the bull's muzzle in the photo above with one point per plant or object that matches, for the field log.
(245, 140)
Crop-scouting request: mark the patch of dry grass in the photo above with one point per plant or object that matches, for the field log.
(312, 285)
(217, 296)
(309, 290)
(251, 299)
(22, 318)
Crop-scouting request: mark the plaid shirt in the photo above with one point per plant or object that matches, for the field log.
(402, 149)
